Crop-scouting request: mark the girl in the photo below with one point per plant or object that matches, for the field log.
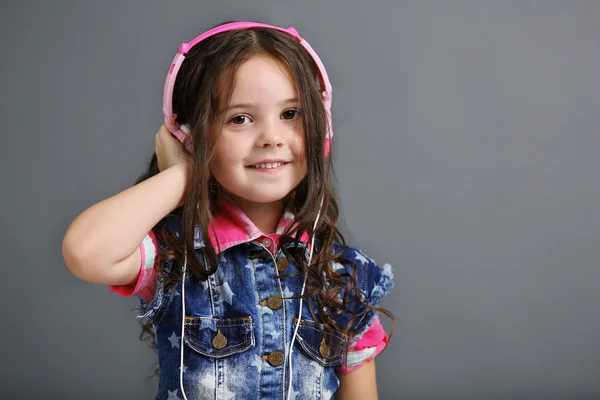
(230, 241)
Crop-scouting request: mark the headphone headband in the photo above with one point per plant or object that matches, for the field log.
(184, 48)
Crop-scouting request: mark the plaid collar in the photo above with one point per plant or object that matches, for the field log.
(232, 226)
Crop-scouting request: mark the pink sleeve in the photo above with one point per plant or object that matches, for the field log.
(369, 345)
(145, 286)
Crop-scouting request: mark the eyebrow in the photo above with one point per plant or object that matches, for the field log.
(249, 105)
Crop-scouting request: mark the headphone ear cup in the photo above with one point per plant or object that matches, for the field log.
(185, 128)
(179, 131)
(183, 133)
(327, 146)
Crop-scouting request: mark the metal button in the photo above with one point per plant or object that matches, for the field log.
(276, 358)
(282, 264)
(219, 341)
(324, 349)
(274, 302)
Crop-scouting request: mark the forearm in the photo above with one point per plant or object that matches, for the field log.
(360, 384)
(113, 229)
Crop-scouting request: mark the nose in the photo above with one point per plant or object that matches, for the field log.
(270, 135)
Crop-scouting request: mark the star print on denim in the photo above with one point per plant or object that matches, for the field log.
(380, 290)
(293, 394)
(287, 292)
(337, 267)
(225, 292)
(205, 284)
(208, 324)
(274, 334)
(360, 256)
(173, 395)
(257, 362)
(208, 381)
(174, 339)
(315, 365)
(264, 309)
(173, 292)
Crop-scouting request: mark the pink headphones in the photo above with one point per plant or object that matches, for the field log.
(182, 131)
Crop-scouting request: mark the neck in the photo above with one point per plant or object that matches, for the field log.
(265, 216)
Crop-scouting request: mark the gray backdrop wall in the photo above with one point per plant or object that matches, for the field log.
(467, 140)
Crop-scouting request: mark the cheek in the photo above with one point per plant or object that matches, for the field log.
(298, 147)
(230, 153)
(297, 143)
(300, 155)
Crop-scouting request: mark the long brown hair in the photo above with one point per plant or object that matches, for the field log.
(202, 90)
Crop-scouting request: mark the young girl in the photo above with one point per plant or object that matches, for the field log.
(230, 241)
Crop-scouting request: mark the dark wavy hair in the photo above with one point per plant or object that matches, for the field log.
(203, 89)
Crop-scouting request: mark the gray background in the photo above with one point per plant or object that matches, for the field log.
(466, 149)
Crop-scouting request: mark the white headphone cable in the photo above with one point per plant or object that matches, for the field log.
(312, 245)
(182, 325)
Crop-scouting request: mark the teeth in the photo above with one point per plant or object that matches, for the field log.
(268, 165)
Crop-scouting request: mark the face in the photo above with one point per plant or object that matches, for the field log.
(260, 151)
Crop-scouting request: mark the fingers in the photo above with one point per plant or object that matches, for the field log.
(163, 130)
(168, 148)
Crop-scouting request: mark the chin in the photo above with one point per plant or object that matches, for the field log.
(260, 193)
(265, 197)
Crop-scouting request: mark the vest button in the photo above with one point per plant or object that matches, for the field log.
(276, 358)
(274, 302)
(324, 349)
(219, 341)
(282, 264)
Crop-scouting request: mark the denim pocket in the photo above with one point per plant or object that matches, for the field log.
(325, 347)
(219, 337)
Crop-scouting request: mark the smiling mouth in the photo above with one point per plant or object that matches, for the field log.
(268, 165)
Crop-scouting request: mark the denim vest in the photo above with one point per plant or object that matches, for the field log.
(238, 329)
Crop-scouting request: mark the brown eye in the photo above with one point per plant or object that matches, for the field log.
(238, 119)
(289, 114)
